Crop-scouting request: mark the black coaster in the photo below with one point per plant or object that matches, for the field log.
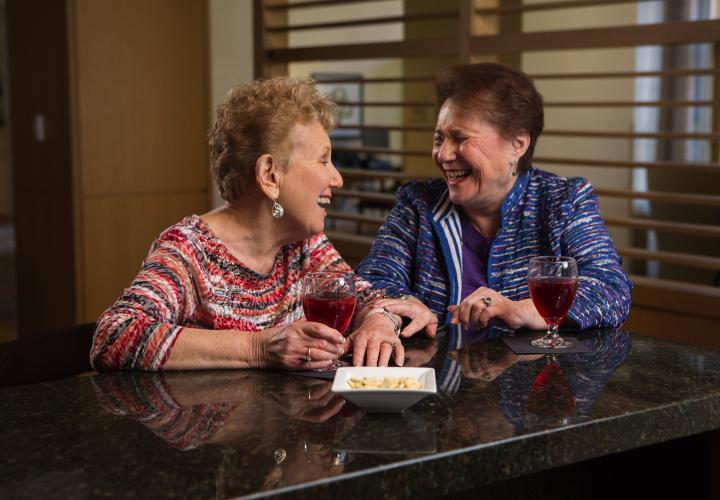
(521, 345)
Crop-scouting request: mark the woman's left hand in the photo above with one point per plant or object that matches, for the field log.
(421, 317)
(375, 342)
(485, 304)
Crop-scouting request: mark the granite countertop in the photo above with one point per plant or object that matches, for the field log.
(221, 434)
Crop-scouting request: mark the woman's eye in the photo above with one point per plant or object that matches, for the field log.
(437, 140)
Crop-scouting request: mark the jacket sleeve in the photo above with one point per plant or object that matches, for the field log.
(603, 294)
(138, 331)
(390, 264)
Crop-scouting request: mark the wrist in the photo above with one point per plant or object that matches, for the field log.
(257, 350)
(393, 318)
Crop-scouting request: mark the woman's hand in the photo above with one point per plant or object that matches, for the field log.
(421, 317)
(485, 304)
(476, 363)
(309, 400)
(301, 345)
(375, 341)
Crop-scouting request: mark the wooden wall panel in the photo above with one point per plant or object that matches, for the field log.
(140, 98)
(141, 86)
(122, 229)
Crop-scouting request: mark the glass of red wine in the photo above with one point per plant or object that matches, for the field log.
(552, 282)
(329, 298)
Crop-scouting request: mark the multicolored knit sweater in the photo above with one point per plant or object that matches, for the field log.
(418, 250)
(190, 279)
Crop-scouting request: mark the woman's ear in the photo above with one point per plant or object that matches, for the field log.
(267, 175)
(520, 143)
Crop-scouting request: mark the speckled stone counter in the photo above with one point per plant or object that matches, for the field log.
(497, 417)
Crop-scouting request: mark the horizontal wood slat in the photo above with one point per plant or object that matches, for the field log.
(313, 3)
(371, 196)
(601, 134)
(434, 47)
(657, 165)
(548, 104)
(570, 4)
(358, 173)
(703, 230)
(673, 32)
(670, 73)
(637, 223)
(372, 219)
(663, 196)
(682, 259)
(364, 22)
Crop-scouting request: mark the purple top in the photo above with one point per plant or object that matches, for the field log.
(475, 251)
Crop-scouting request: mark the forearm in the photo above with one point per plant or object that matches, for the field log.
(197, 349)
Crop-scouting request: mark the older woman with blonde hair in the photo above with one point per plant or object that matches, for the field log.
(223, 290)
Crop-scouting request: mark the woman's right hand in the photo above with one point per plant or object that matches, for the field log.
(301, 345)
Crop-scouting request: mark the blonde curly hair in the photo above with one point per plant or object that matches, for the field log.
(255, 119)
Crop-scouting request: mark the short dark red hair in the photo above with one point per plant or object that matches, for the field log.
(505, 97)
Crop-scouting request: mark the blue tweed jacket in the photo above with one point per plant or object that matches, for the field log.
(418, 249)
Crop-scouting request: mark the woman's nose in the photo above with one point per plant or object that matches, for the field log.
(336, 180)
(446, 152)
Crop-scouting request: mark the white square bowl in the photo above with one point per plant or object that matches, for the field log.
(384, 400)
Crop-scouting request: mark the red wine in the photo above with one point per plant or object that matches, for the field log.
(332, 309)
(552, 296)
(550, 394)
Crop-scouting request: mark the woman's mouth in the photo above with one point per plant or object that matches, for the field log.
(324, 201)
(456, 175)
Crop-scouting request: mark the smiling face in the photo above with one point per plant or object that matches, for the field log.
(308, 179)
(475, 160)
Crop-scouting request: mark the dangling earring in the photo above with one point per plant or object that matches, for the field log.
(513, 165)
(277, 210)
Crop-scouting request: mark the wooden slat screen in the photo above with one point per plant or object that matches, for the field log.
(589, 59)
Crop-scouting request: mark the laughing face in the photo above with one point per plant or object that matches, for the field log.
(475, 160)
(309, 179)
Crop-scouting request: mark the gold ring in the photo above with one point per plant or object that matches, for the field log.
(308, 358)
(487, 301)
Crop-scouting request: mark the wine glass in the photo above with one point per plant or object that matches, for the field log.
(329, 298)
(552, 282)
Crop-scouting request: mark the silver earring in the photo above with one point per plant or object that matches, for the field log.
(513, 165)
(277, 210)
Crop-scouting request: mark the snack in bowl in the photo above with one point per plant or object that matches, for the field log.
(384, 389)
(384, 383)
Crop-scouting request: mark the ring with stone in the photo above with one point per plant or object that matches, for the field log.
(308, 358)
(487, 301)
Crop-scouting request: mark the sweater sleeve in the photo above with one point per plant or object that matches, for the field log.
(391, 262)
(138, 331)
(603, 294)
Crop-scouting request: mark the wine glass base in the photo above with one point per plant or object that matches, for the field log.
(551, 343)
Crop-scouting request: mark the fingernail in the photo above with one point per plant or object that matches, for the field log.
(342, 340)
(341, 351)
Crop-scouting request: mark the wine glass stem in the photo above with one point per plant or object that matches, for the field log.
(552, 331)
